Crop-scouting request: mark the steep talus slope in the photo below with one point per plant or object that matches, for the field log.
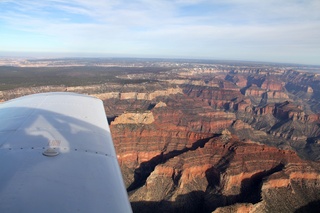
(226, 174)
(216, 139)
(178, 126)
(178, 164)
(279, 109)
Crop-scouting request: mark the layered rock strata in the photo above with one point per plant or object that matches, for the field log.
(225, 175)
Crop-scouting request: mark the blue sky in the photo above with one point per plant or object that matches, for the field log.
(254, 30)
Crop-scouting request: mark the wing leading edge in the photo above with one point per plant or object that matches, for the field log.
(82, 174)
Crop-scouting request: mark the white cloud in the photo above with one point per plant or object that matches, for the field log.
(111, 25)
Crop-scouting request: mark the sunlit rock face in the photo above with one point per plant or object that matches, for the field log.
(182, 161)
(214, 140)
(225, 175)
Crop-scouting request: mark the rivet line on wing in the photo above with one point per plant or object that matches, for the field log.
(60, 148)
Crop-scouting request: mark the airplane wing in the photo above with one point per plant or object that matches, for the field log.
(57, 155)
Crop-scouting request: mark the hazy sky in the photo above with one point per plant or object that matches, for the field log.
(255, 30)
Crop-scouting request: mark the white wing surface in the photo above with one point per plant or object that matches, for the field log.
(57, 155)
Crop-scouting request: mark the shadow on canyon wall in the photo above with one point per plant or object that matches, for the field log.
(205, 202)
(146, 168)
(312, 207)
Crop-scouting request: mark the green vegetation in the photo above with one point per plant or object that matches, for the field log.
(14, 77)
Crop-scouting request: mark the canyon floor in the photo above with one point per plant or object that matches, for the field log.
(199, 136)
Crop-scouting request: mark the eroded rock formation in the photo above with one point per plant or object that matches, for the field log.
(226, 175)
(222, 139)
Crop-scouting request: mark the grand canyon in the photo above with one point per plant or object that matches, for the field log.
(198, 136)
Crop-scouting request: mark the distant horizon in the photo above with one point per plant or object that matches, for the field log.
(55, 55)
